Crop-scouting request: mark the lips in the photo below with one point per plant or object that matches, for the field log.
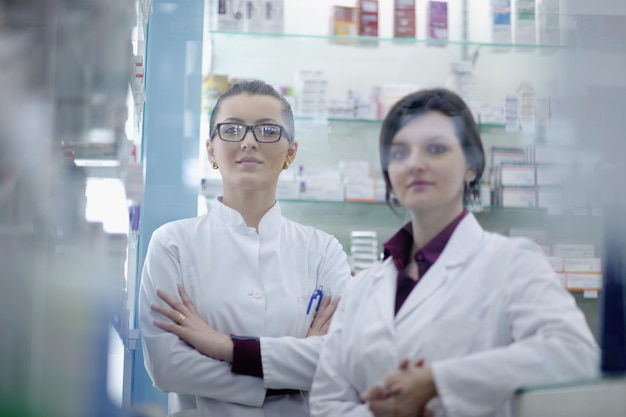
(420, 183)
(248, 160)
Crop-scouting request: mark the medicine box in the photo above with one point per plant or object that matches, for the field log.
(344, 21)
(556, 262)
(404, 19)
(582, 264)
(368, 17)
(360, 189)
(517, 174)
(574, 250)
(584, 282)
(438, 20)
(506, 154)
(227, 16)
(518, 196)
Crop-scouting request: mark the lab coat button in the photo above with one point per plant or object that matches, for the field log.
(256, 294)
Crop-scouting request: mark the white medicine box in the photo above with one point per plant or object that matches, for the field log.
(517, 174)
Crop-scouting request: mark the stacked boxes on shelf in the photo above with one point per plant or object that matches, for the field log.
(263, 16)
(363, 249)
(461, 80)
(527, 97)
(349, 180)
(386, 95)
(257, 16)
(508, 194)
(576, 264)
(549, 176)
(358, 182)
(581, 268)
(320, 182)
(310, 93)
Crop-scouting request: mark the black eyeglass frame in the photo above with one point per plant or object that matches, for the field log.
(283, 131)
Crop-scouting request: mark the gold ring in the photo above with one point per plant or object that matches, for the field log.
(180, 319)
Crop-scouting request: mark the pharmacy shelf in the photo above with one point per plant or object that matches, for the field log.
(359, 63)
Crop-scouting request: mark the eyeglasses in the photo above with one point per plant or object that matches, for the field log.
(263, 133)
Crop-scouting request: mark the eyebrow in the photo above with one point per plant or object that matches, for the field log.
(263, 120)
(428, 139)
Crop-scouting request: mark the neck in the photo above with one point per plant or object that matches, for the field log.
(428, 224)
(252, 205)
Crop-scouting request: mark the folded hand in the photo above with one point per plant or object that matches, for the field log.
(189, 326)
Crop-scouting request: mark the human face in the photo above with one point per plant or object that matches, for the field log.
(427, 167)
(250, 165)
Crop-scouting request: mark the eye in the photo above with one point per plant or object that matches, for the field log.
(437, 149)
(268, 130)
(397, 154)
(231, 129)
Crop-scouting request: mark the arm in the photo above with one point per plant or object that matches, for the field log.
(290, 362)
(173, 365)
(550, 340)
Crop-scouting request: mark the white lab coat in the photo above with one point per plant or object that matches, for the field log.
(489, 317)
(241, 283)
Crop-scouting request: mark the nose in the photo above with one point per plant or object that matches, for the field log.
(248, 141)
(417, 160)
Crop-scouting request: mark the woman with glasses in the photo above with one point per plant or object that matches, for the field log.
(455, 319)
(234, 304)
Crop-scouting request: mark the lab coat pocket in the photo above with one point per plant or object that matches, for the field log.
(454, 337)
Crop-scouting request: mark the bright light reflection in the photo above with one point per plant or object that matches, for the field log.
(115, 371)
(106, 203)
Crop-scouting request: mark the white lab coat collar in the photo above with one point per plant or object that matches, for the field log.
(268, 225)
(463, 244)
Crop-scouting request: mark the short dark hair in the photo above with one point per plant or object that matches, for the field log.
(448, 103)
(254, 88)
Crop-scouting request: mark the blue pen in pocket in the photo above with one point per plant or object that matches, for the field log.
(318, 294)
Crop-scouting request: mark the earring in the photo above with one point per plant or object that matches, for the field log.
(214, 165)
(286, 164)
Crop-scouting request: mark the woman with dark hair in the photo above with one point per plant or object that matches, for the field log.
(228, 300)
(455, 319)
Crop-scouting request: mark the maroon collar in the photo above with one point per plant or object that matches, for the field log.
(400, 245)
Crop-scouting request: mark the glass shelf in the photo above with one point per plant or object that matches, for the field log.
(341, 202)
(369, 40)
(340, 218)
(378, 122)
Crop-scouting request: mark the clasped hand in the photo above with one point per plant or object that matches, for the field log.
(186, 323)
(403, 393)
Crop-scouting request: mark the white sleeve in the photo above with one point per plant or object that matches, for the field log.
(173, 365)
(332, 394)
(290, 362)
(551, 341)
